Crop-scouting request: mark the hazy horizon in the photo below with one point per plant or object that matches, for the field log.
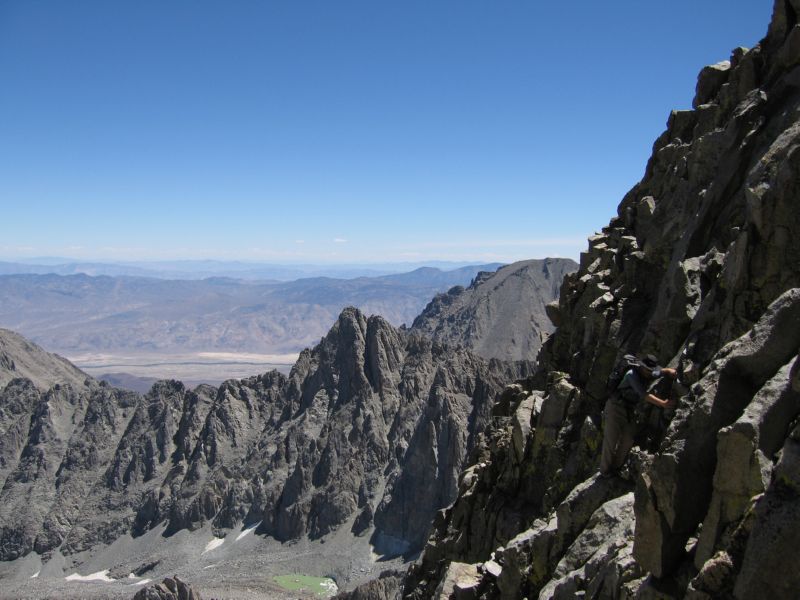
(61, 260)
(243, 270)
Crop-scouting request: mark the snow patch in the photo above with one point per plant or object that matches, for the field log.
(35, 575)
(244, 532)
(214, 543)
(142, 582)
(99, 576)
(210, 566)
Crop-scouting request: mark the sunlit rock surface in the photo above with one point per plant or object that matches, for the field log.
(701, 267)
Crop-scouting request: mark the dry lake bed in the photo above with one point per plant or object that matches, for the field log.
(191, 368)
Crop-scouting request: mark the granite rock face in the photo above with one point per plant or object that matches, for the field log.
(20, 358)
(60, 443)
(171, 588)
(501, 314)
(386, 587)
(369, 433)
(701, 267)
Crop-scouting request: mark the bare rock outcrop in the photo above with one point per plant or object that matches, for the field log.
(60, 443)
(701, 267)
(172, 588)
(21, 358)
(368, 432)
(388, 586)
(502, 314)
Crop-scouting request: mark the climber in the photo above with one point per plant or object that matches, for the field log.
(619, 414)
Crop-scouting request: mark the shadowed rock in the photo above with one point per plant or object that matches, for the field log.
(171, 588)
(701, 267)
(369, 432)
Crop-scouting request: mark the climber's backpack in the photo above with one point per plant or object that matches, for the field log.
(625, 364)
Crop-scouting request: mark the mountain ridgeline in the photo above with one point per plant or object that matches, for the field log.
(501, 314)
(700, 267)
(78, 314)
(366, 435)
(301, 455)
(21, 358)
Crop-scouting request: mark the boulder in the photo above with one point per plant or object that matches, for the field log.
(709, 81)
(171, 588)
(460, 582)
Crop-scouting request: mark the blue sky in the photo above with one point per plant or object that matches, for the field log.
(338, 130)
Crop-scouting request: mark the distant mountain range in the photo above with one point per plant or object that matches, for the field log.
(81, 313)
(202, 269)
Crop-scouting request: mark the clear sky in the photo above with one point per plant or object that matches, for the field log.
(338, 130)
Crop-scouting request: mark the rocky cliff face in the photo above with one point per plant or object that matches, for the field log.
(501, 314)
(699, 267)
(21, 358)
(367, 433)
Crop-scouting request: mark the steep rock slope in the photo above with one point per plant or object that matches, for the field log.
(501, 314)
(22, 358)
(365, 420)
(700, 267)
(58, 437)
